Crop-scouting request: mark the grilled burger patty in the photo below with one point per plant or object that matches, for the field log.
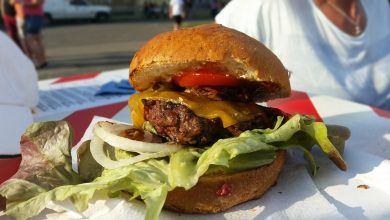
(179, 124)
(250, 92)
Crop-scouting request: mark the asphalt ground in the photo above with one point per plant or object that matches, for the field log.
(77, 48)
(93, 47)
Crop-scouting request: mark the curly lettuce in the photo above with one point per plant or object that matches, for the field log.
(45, 173)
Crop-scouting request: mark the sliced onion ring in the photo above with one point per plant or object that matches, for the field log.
(108, 132)
(97, 151)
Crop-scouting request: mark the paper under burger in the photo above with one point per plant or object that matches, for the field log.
(199, 143)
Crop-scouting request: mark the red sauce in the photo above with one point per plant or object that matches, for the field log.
(224, 190)
(206, 77)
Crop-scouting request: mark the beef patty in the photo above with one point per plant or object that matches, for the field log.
(250, 92)
(177, 123)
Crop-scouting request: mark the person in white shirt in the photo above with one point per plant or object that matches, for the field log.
(18, 94)
(333, 47)
(176, 12)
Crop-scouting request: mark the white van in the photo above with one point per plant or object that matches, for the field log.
(74, 9)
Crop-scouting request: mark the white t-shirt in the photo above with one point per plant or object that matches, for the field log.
(18, 94)
(177, 7)
(354, 68)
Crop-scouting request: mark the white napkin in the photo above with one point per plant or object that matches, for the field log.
(363, 191)
(368, 157)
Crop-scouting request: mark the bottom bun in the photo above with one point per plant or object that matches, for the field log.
(219, 192)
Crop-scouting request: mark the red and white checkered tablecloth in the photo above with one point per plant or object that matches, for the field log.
(330, 110)
(367, 151)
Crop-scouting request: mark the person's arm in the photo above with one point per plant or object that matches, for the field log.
(1, 8)
(19, 9)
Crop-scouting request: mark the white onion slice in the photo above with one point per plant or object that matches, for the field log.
(108, 132)
(97, 151)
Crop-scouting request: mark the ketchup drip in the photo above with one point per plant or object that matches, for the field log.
(224, 190)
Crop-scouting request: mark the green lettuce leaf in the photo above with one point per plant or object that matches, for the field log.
(303, 132)
(303, 142)
(45, 173)
(251, 148)
(187, 165)
(88, 168)
(338, 134)
(146, 179)
(318, 131)
(46, 161)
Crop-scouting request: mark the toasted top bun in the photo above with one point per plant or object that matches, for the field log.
(218, 192)
(208, 46)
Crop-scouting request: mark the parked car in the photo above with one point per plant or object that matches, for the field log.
(75, 9)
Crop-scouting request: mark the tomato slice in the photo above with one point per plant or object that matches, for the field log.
(204, 78)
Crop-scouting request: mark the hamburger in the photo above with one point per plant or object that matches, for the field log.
(199, 143)
(200, 85)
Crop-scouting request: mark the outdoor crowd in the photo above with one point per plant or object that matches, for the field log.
(23, 22)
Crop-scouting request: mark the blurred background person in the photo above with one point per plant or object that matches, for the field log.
(19, 16)
(176, 12)
(8, 14)
(164, 9)
(189, 4)
(18, 93)
(33, 11)
(333, 47)
(214, 8)
(146, 7)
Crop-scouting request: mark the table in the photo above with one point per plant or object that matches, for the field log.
(367, 151)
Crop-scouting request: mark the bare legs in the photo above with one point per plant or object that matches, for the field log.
(176, 26)
(36, 49)
(22, 36)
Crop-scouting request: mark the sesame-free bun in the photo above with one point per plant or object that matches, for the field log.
(218, 192)
(208, 46)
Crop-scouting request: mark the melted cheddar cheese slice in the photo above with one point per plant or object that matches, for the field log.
(229, 112)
